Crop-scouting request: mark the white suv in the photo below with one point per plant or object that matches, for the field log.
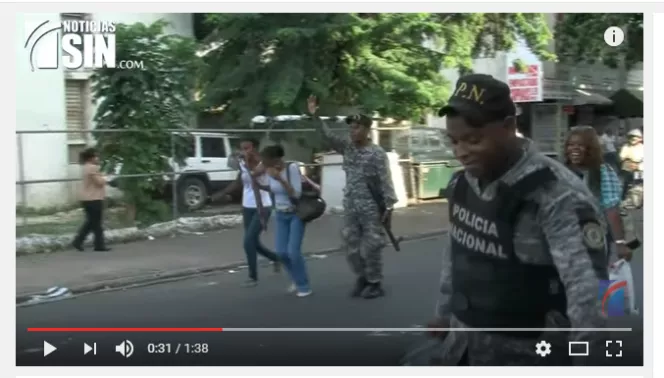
(207, 152)
(194, 185)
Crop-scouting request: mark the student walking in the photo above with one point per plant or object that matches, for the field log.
(285, 183)
(256, 207)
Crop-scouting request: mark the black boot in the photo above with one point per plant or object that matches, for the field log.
(374, 290)
(360, 285)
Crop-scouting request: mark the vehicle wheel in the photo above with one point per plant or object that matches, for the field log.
(193, 194)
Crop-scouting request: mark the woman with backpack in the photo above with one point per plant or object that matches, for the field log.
(583, 155)
(285, 184)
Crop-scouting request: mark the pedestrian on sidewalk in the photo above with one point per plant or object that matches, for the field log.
(256, 207)
(366, 164)
(583, 155)
(285, 183)
(93, 192)
(526, 248)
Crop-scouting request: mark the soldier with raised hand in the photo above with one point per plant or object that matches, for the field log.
(526, 248)
(365, 164)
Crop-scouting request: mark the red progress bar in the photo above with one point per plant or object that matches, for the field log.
(117, 329)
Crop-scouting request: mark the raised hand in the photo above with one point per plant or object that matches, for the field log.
(312, 104)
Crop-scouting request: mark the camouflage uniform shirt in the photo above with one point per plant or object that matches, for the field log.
(360, 164)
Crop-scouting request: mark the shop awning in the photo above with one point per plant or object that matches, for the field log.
(584, 97)
(628, 103)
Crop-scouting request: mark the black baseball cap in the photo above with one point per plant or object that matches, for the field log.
(360, 119)
(480, 99)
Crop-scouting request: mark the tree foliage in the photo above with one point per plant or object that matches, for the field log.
(580, 38)
(153, 100)
(269, 63)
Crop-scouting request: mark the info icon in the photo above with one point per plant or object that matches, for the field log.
(614, 36)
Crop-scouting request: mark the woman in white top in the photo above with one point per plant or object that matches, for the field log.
(256, 207)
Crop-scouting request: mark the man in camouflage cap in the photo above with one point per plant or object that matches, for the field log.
(365, 163)
(526, 247)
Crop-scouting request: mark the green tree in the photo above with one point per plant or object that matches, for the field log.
(580, 38)
(269, 63)
(153, 100)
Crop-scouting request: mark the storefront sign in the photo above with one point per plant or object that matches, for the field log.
(525, 84)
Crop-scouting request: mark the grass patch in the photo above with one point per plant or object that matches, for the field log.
(41, 211)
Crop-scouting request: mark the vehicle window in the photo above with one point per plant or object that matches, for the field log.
(435, 141)
(212, 147)
(186, 144)
(190, 146)
(416, 141)
(235, 144)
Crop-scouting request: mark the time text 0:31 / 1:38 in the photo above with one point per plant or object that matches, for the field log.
(186, 348)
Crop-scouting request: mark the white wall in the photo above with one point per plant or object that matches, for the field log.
(333, 181)
(40, 104)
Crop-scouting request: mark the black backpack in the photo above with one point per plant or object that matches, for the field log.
(310, 205)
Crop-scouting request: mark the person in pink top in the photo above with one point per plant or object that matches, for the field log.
(93, 192)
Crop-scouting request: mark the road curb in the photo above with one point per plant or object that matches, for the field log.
(43, 244)
(23, 300)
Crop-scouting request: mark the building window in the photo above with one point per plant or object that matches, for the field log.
(74, 151)
(77, 102)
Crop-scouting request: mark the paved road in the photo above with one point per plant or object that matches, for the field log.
(141, 260)
(218, 301)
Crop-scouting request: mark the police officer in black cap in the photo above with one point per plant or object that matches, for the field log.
(526, 247)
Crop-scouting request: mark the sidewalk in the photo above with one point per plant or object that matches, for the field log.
(186, 254)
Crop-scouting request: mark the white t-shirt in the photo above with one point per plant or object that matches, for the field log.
(248, 196)
(633, 153)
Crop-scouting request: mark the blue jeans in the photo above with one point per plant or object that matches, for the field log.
(252, 239)
(289, 235)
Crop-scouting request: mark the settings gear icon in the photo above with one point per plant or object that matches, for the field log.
(543, 348)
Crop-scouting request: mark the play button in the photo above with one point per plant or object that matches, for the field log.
(48, 348)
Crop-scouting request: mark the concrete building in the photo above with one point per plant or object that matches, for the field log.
(59, 99)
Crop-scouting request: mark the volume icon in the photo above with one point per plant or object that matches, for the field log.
(125, 348)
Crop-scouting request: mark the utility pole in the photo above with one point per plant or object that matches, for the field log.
(622, 69)
(622, 61)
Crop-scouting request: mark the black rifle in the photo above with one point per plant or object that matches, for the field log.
(382, 208)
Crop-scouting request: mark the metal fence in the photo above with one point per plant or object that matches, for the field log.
(391, 138)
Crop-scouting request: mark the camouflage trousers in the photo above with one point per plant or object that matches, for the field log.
(363, 239)
(633, 200)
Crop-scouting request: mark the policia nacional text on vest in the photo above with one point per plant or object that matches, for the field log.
(492, 287)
